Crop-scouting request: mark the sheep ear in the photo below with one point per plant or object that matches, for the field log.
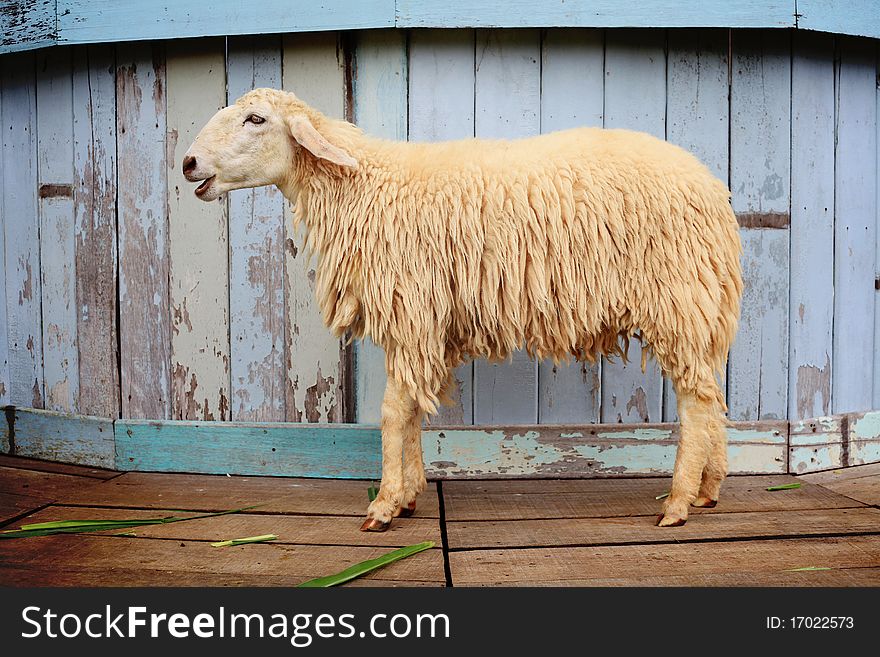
(309, 138)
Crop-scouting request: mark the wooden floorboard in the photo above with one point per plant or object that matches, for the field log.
(507, 500)
(89, 560)
(217, 493)
(293, 529)
(860, 483)
(50, 485)
(739, 563)
(641, 529)
(14, 506)
(842, 474)
(60, 468)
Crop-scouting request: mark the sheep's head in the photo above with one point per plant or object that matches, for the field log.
(255, 142)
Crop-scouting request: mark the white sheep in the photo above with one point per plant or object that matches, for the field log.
(565, 244)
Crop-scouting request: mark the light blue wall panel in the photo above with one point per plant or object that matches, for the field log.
(57, 247)
(595, 13)
(856, 17)
(380, 108)
(441, 107)
(21, 223)
(27, 24)
(635, 98)
(855, 226)
(507, 101)
(697, 114)
(256, 258)
(760, 182)
(145, 318)
(572, 95)
(811, 315)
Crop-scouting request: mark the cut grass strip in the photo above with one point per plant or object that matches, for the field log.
(372, 492)
(806, 568)
(662, 496)
(365, 567)
(245, 541)
(81, 526)
(784, 487)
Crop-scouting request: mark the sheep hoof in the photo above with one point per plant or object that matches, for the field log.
(670, 521)
(408, 510)
(704, 503)
(374, 525)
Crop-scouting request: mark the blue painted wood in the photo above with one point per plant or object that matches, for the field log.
(856, 17)
(635, 98)
(353, 451)
(94, 151)
(57, 232)
(572, 95)
(855, 226)
(697, 115)
(441, 107)
(759, 180)
(26, 24)
(256, 264)
(380, 108)
(21, 223)
(507, 100)
(811, 314)
(594, 13)
(864, 438)
(145, 320)
(817, 444)
(89, 21)
(64, 437)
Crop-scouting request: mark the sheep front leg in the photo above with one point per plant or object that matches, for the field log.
(399, 415)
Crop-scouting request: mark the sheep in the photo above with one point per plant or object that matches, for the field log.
(566, 244)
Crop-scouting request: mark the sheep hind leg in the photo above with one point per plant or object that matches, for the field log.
(414, 481)
(698, 427)
(715, 470)
(399, 415)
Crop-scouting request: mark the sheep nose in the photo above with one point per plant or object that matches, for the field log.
(189, 163)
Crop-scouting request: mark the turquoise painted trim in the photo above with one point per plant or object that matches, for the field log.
(29, 24)
(63, 437)
(5, 446)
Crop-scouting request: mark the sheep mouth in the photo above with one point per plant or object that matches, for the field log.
(205, 186)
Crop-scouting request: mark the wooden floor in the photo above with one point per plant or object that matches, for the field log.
(489, 533)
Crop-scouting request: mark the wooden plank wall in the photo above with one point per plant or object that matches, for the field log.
(125, 296)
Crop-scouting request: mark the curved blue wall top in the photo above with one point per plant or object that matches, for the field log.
(29, 24)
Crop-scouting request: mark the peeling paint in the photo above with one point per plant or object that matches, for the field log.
(639, 402)
(812, 382)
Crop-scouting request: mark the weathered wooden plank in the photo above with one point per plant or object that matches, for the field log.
(64, 437)
(697, 115)
(119, 561)
(593, 13)
(198, 239)
(23, 463)
(5, 390)
(313, 69)
(22, 225)
(380, 109)
(57, 261)
(507, 99)
(290, 529)
(607, 498)
(49, 486)
(635, 98)
(572, 86)
(256, 262)
(811, 313)
(760, 104)
(88, 21)
(817, 444)
(855, 227)
(94, 193)
(144, 319)
(862, 489)
(211, 493)
(741, 563)
(441, 107)
(14, 506)
(620, 531)
(842, 474)
(863, 438)
(27, 25)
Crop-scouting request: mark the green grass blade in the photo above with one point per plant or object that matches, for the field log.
(245, 541)
(81, 526)
(372, 492)
(365, 567)
(784, 487)
(806, 568)
(662, 496)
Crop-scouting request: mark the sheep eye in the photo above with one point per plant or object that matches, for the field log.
(256, 120)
